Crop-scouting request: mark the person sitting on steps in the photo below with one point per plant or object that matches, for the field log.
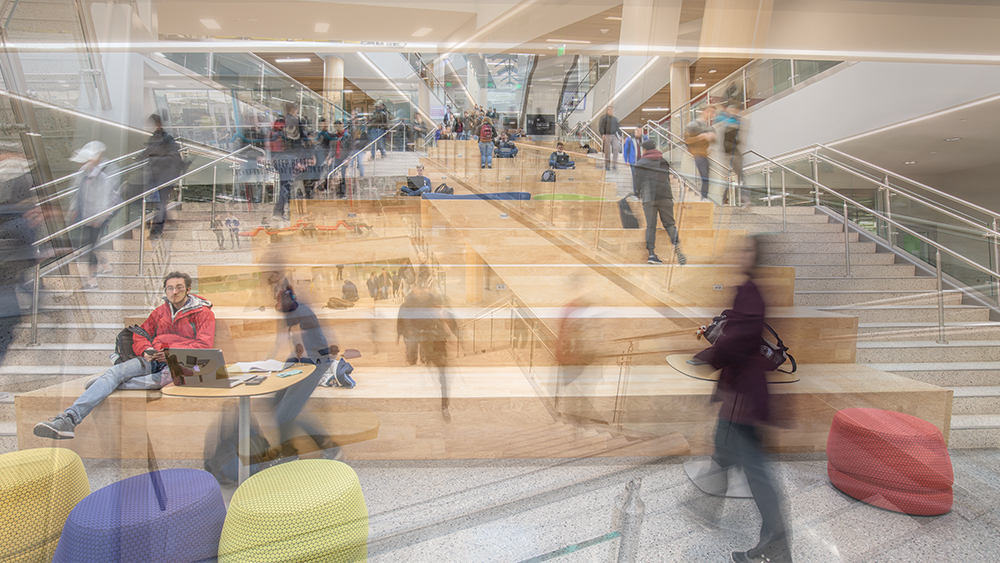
(185, 320)
(559, 160)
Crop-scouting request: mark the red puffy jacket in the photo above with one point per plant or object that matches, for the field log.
(192, 327)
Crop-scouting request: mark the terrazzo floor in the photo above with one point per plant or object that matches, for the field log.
(564, 510)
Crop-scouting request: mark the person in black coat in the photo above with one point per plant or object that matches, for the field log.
(164, 164)
(742, 389)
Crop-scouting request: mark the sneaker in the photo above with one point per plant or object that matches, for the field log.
(91, 381)
(56, 428)
(681, 259)
(90, 286)
(654, 259)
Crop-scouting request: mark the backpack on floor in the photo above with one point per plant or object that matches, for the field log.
(444, 189)
(124, 342)
(548, 176)
(628, 218)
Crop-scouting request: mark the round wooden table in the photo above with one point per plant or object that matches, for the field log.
(272, 384)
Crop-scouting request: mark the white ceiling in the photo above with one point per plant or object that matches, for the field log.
(923, 141)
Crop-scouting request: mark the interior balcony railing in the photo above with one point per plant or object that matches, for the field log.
(957, 237)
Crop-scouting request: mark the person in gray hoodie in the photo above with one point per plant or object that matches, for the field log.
(652, 186)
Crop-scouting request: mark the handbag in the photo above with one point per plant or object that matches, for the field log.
(775, 354)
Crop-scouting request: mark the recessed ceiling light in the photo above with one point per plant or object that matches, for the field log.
(321, 27)
(211, 24)
(698, 85)
(301, 60)
(933, 152)
(964, 119)
(567, 41)
(422, 32)
(614, 18)
(910, 162)
(952, 139)
(171, 86)
(348, 91)
(655, 109)
(700, 78)
(712, 71)
(152, 82)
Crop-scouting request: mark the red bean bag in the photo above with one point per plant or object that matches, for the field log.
(892, 460)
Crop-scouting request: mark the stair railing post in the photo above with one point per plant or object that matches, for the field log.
(888, 213)
(767, 184)
(784, 195)
(815, 171)
(34, 305)
(996, 260)
(847, 245)
(215, 175)
(142, 235)
(940, 292)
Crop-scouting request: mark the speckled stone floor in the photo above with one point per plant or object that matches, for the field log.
(536, 510)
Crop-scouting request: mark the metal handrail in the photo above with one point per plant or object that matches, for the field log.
(69, 176)
(935, 191)
(680, 144)
(812, 151)
(913, 197)
(73, 189)
(142, 234)
(938, 247)
(360, 152)
(502, 303)
(137, 197)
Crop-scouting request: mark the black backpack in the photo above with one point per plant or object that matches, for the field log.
(124, 342)
(444, 189)
(548, 176)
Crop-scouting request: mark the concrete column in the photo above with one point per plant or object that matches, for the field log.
(333, 80)
(474, 275)
(680, 84)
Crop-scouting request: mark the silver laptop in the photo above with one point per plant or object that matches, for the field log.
(200, 367)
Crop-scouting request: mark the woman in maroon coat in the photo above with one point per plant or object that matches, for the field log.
(742, 389)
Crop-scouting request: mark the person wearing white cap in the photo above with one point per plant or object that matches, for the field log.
(95, 194)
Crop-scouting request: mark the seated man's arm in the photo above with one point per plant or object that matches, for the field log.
(139, 342)
(552, 160)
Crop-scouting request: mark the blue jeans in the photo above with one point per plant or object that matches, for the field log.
(135, 374)
(701, 164)
(284, 194)
(417, 192)
(361, 163)
(380, 144)
(486, 153)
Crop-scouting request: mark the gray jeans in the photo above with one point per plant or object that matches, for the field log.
(135, 374)
(739, 444)
(612, 146)
(665, 209)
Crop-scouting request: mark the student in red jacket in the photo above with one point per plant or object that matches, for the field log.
(183, 321)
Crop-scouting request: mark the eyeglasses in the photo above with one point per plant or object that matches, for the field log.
(175, 288)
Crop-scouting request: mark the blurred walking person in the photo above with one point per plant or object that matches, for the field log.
(742, 389)
(608, 127)
(699, 135)
(95, 194)
(424, 324)
(164, 165)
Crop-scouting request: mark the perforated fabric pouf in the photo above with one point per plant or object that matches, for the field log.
(305, 511)
(891, 460)
(38, 489)
(168, 516)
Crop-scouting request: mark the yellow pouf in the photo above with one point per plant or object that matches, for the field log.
(302, 511)
(38, 489)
